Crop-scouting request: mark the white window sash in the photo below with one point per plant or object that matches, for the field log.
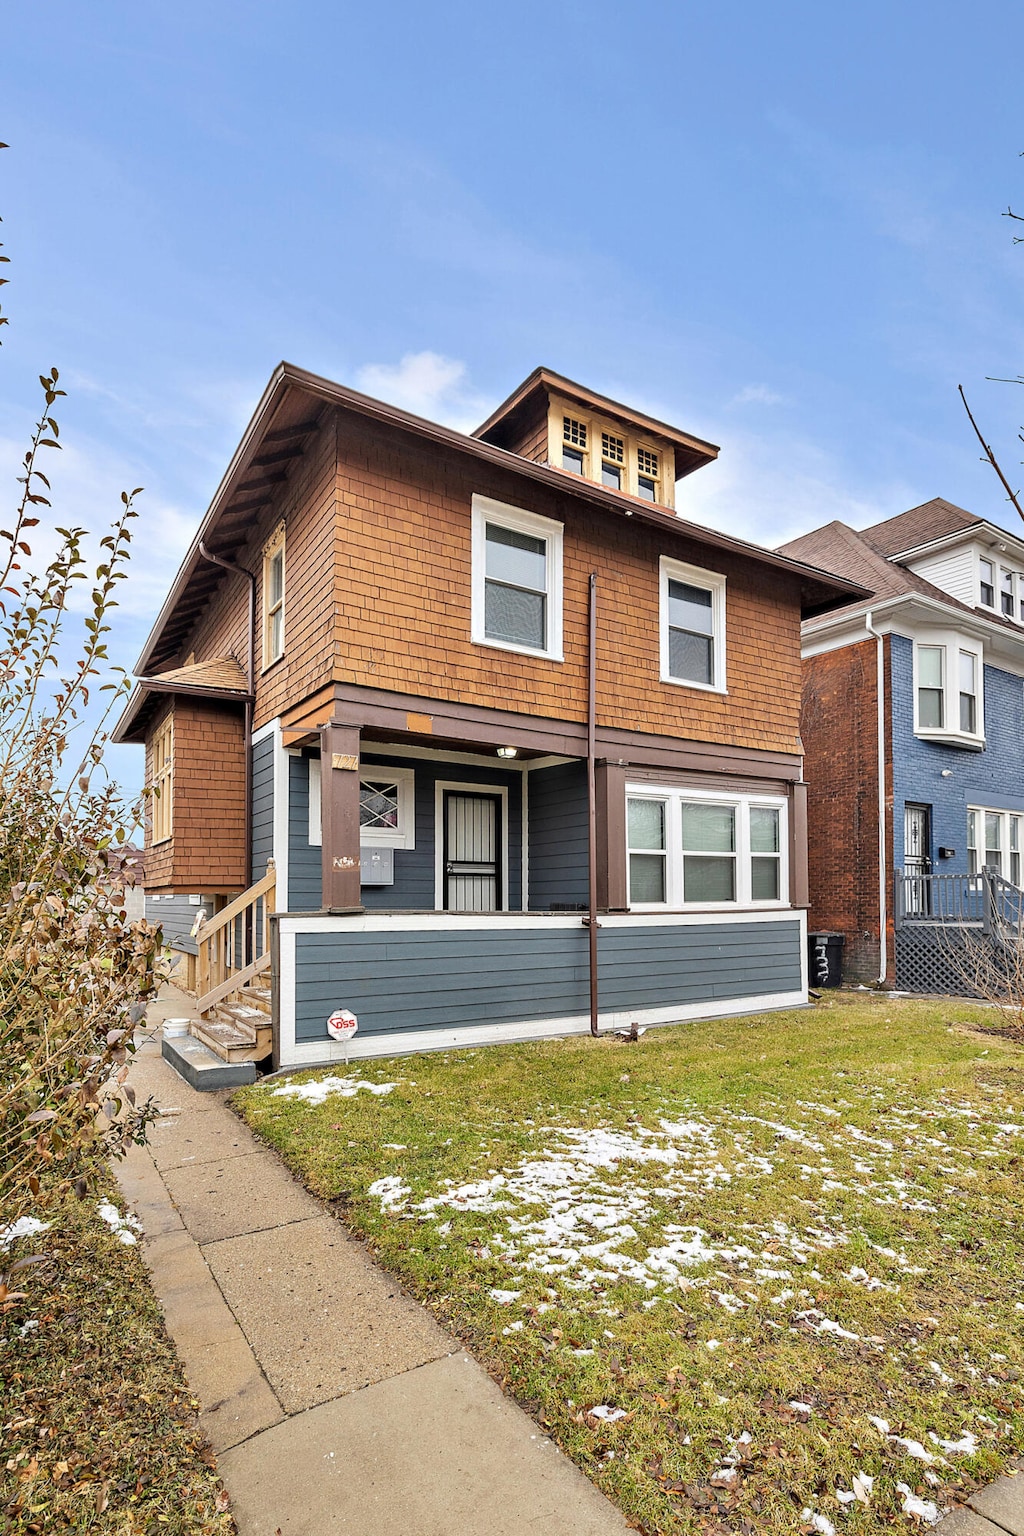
(709, 581)
(518, 521)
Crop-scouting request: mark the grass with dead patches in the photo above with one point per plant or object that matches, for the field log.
(731, 1268)
(100, 1433)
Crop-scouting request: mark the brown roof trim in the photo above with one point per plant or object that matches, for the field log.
(130, 726)
(545, 378)
(822, 589)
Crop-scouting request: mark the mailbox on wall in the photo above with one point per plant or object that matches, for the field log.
(377, 866)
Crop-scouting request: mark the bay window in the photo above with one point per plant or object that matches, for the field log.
(948, 695)
(689, 847)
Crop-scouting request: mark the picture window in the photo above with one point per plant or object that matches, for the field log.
(693, 849)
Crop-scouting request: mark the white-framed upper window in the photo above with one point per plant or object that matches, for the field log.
(688, 847)
(986, 583)
(162, 780)
(517, 580)
(273, 598)
(948, 690)
(574, 445)
(995, 841)
(692, 626)
(387, 806)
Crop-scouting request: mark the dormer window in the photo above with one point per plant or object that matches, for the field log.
(988, 583)
(647, 474)
(613, 454)
(574, 445)
(1006, 602)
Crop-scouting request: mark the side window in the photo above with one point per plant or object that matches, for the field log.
(273, 599)
(692, 626)
(517, 580)
(162, 817)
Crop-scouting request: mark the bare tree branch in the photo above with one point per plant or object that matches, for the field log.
(1011, 494)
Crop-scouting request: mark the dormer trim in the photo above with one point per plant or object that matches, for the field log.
(690, 452)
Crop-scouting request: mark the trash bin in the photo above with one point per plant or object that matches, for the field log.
(825, 959)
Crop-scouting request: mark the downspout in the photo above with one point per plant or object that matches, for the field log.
(592, 804)
(250, 703)
(883, 881)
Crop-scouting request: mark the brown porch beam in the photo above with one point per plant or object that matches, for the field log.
(339, 810)
(799, 882)
(611, 837)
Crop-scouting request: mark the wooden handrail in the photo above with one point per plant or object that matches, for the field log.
(232, 942)
(212, 925)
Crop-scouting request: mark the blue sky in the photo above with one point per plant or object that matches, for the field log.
(778, 226)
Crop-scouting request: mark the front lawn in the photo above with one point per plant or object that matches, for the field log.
(757, 1275)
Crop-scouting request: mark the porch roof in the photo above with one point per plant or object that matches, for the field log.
(292, 408)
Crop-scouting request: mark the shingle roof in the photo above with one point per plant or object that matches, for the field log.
(220, 673)
(931, 520)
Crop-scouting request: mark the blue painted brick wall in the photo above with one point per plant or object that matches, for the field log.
(993, 778)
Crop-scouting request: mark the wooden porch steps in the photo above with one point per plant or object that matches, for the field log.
(236, 1032)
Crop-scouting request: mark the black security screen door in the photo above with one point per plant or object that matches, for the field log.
(472, 852)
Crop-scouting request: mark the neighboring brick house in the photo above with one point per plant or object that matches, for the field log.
(439, 678)
(912, 724)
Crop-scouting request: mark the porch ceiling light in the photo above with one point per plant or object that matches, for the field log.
(508, 751)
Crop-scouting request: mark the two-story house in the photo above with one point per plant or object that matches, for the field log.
(521, 743)
(912, 724)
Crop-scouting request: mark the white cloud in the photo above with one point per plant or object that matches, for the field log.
(429, 384)
(757, 394)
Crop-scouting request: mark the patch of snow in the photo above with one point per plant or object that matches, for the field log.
(713, 1344)
(325, 1087)
(820, 1523)
(918, 1509)
(606, 1414)
(514, 1327)
(967, 1445)
(25, 1226)
(391, 1192)
(125, 1228)
(504, 1298)
(798, 1407)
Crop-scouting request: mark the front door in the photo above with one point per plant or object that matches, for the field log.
(917, 862)
(472, 852)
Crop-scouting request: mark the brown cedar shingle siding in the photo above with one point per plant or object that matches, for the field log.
(206, 849)
(378, 592)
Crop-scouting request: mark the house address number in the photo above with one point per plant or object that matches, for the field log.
(347, 760)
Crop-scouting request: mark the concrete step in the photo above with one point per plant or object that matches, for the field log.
(202, 1068)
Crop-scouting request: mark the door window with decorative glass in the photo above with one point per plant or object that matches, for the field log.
(517, 579)
(686, 848)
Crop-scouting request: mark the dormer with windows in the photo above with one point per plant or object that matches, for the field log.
(552, 420)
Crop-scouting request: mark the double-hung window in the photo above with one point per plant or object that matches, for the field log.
(948, 690)
(162, 761)
(517, 580)
(994, 842)
(647, 474)
(574, 445)
(987, 583)
(273, 599)
(690, 848)
(692, 626)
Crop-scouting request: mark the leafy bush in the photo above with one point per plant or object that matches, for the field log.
(74, 973)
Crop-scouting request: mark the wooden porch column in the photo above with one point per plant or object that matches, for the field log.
(611, 836)
(339, 809)
(799, 885)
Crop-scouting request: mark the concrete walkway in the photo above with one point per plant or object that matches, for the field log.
(334, 1401)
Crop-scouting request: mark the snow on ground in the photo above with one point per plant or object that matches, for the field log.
(322, 1088)
(25, 1226)
(125, 1228)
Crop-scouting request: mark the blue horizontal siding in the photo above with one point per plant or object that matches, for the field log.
(485, 975)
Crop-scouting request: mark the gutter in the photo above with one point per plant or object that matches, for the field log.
(883, 877)
(250, 703)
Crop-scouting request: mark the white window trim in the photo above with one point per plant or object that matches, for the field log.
(981, 811)
(274, 545)
(672, 797)
(487, 511)
(402, 836)
(950, 733)
(979, 556)
(713, 582)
